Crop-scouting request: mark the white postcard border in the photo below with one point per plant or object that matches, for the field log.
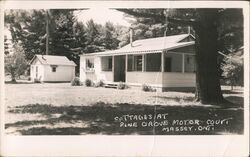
(106, 145)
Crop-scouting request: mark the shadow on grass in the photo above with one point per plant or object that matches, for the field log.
(17, 82)
(236, 100)
(177, 99)
(99, 118)
(231, 92)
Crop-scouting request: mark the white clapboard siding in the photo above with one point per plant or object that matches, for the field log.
(63, 73)
(144, 77)
(171, 79)
(106, 76)
(40, 68)
(82, 68)
(90, 75)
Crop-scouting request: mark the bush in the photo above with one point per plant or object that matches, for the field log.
(88, 83)
(29, 78)
(37, 80)
(99, 83)
(76, 82)
(148, 88)
(233, 71)
(122, 85)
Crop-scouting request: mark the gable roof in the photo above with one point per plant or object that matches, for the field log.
(53, 60)
(152, 45)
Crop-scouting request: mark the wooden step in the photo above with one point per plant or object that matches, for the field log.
(111, 85)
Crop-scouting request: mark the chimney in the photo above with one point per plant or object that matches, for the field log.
(189, 29)
(165, 32)
(131, 36)
(43, 57)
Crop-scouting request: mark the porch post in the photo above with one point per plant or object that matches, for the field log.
(183, 63)
(145, 62)
(126, 63)
(143, 66)
(113, 63)
(162, 61)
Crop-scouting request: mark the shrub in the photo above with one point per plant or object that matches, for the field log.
(233, 71)
(76, 82)
(29, 78)
(99, 83)
(88, 83)
(37, 80)
(122, 85)
(153, 90)
(148, 88)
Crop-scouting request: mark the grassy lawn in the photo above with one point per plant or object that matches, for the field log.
(61, 109)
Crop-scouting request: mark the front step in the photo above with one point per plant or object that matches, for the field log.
(111, 85)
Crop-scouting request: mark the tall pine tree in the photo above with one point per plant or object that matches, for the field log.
(110, 37)
(28, 28)
(94, 40)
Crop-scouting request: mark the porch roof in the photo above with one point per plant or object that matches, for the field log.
(153, 45)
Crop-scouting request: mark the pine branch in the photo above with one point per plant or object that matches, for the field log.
(182, 22)
(159, 17)
(231, 30)
(156, 17)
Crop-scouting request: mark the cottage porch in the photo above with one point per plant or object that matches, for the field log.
(160, 62)
(160, 69)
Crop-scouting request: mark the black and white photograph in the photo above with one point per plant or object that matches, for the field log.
(116, 71)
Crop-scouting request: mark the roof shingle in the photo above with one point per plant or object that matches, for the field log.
(151, 45)
(53, 60)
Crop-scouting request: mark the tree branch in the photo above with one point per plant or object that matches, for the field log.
(181, 21)
(156, 17)
(231, 30)
(159, 17)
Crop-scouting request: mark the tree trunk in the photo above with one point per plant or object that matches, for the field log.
(47, 32)
(208, 88)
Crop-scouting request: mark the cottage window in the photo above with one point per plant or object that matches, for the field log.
(188, 59)
(107, 63)
(173, 62)
(167, 65)
(189, 63)
(130, 62)
(134, 62)
(90, 64)
(138, 63)
(153, 62)
(36, 71)
(110, 63)
(53, 68)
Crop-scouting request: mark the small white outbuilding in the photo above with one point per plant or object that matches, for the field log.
(48, 68)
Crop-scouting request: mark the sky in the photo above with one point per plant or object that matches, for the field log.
(102, 15)
(99, 15)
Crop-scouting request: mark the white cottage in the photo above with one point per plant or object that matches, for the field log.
(48, 68)
(164, 63)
